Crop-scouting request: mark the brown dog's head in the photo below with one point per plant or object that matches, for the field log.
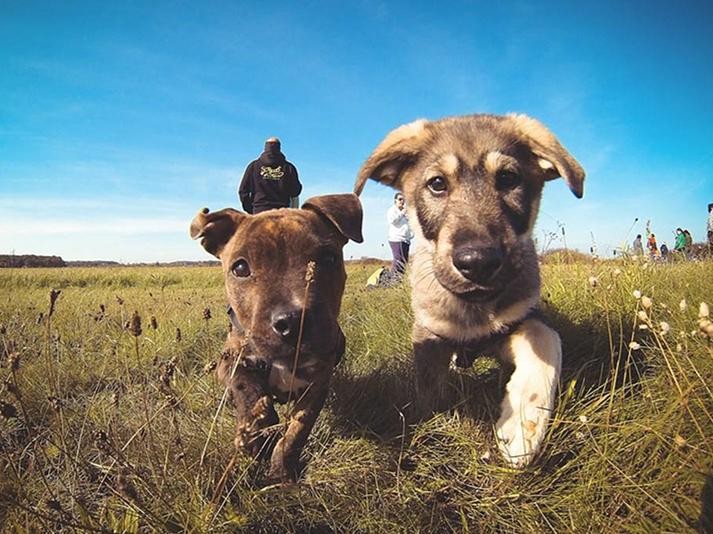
(265, 259)
(473, 186)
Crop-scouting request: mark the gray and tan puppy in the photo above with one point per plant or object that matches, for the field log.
(284, 276)
(473, 186)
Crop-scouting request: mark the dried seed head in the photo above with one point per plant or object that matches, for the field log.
(206, 314)
(40, 318)
(102, 308)
(703, 311)
(665, 327)
(56, 403)
(634, 345)
(210, 367)
(309, 275)
(178, 335)
(641, 314)
(54, 504)
(154, 322)
(683, 305)
(637, 294)
(646, 302)
(706, 327)
(54, 295)
(125, 487)
(7, 410)
(679, 441)
(135, 325)
(101, 441)
(593, 281)
(168, 369)
(616, 272)
(12, 388)
(119, 300)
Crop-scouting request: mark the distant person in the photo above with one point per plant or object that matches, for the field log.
(680, 244)
(688, 247)
(709, 227)
(270, 181)
(400, 234)
(651, 245)
(637, 246)
(664, 252)
(710, 242)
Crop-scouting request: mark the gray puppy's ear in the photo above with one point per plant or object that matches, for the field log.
(215, 229)
(399, 149)
(343, 211)
(553, 158)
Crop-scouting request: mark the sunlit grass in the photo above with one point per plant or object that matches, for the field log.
(104, 429)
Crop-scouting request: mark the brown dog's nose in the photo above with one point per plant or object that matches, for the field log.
(286, 324)
(478, 263)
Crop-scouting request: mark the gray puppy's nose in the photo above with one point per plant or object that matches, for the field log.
(286, 324)
(478, 263)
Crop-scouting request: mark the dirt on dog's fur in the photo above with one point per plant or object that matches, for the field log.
(473, 186)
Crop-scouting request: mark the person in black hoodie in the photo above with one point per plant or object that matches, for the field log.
(269, 182)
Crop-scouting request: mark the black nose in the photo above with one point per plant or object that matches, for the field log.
(286, 324)
(478, 263)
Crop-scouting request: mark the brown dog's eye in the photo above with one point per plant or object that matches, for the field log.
(437, 185)
(240, 268)
(506, 179)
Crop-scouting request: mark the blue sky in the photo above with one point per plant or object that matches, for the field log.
(119, 120)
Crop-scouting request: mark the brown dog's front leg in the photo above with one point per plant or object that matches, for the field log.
(286, 454)
(254, 410)
(431, 356)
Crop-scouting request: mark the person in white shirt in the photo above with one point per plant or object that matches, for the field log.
(400, 234)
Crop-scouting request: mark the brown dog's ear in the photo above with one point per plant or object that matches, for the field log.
(216, 228)
(554, 160)
(343, 211)
(399, 149)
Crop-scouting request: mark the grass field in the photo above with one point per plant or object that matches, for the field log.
(105, 430)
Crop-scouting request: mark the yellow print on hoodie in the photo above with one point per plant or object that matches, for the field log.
(272, 173)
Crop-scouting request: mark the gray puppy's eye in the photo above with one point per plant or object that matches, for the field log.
(507, 179)
(437, 185)
(240, 268)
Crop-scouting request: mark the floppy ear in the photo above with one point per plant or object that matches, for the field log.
(216, 228)
(399, 149)
(343, 211)
(553, 159)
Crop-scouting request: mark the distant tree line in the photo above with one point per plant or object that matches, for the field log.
(31, 260)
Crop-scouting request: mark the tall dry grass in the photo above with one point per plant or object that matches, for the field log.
(104, 421)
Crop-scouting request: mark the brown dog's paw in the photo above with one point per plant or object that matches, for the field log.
(254, 436)
(283, 474)
(263, 411)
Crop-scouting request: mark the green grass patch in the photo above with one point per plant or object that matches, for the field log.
(102, 430)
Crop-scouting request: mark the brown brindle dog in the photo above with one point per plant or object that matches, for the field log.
(473, 186)
(284, 276)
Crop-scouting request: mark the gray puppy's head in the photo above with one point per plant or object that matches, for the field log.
(473, 186)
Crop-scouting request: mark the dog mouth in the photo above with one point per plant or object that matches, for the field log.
(468, 290)
(269, 351)
(478, 294)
